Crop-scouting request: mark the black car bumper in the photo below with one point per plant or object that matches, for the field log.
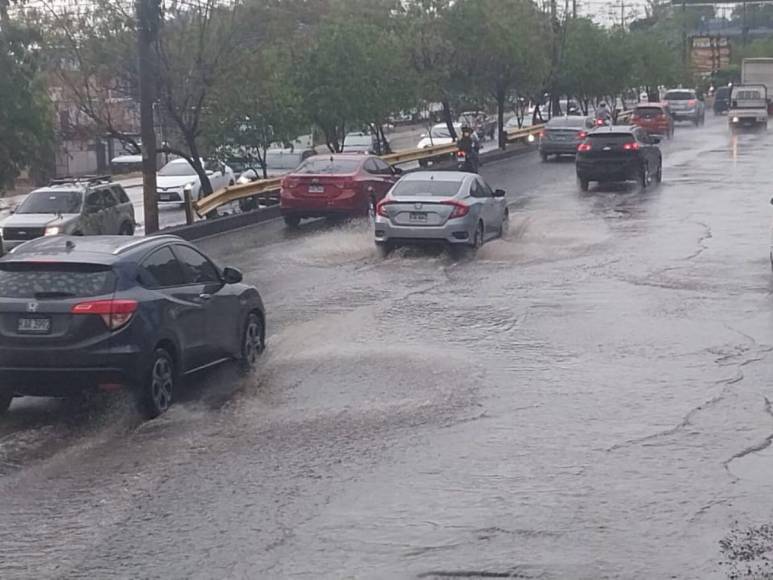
(608, 172)
(558, 148)
(113, 371)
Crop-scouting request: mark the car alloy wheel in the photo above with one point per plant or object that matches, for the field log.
(645, 177)
(252, 342)
(156, 396)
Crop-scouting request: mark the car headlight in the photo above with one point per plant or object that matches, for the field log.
(531, 138)
(53, 230)
(735, 119)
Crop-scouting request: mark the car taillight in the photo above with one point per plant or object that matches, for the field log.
(631, 146)
(289, 183)
(460, 209)
(691, 102)
(584, 147)
(381, 208)
(460, 155)
(114, 313)
(582, 135)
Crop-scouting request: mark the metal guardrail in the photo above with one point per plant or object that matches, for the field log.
(265, 186)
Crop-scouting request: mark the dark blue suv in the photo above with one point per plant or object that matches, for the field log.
(106, 312)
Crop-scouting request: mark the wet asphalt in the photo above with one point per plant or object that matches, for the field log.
(588, 398)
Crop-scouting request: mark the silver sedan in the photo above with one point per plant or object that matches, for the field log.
(457, 208)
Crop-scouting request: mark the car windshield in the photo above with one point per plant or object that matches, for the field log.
(358, 141)
(280, 160)
(611, 138)
(679, 96)
(330, 165)
(440, 133)
(177, 169)
(431, 187)
(55, 202)
(52, 280)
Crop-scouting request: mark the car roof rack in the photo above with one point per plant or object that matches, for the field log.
(89, 179)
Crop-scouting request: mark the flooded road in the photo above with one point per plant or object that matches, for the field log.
(588, 398)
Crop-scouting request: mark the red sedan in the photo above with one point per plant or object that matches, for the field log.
(335, 185)
(655, 118)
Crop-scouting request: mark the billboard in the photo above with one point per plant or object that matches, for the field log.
(709, 53)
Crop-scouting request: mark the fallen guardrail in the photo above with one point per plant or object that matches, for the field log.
(270, 187)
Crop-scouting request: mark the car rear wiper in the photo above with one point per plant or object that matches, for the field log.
(53, 294)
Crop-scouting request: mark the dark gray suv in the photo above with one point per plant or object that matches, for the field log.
(106, 313)
(80, 207)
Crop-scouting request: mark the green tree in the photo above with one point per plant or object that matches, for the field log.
(503, 47)
(355, 71)
(25, 109)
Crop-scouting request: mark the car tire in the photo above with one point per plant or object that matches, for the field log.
(644, 177)
(478, 236)
(505, 227)
(543, 156)
(584, 184)
(659, 174)
(248, 204)
(423, 163)
(126, 229)
(384, 249)
(253, 342)
(5, 402)
(155, 396)
(292, 222)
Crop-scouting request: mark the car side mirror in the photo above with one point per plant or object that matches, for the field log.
(656, 140)
(500, 193)
(89, 209)
(771, 201)
(397, 171)
(232, 275)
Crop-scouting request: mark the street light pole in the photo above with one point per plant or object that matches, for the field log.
(148, 19)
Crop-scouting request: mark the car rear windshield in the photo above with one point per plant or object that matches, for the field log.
(611, 138)
(440, 133)
(283, 160)
(568, 122)
(648, 112)
(334, 165)
(51, 202)
(722, 92)
(54, 280)
(358, 141)
(432, 187)
(679, 95)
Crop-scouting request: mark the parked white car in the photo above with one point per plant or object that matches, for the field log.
(173, 177)
(439, 135)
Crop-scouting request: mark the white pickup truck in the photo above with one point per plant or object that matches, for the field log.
(748, 107)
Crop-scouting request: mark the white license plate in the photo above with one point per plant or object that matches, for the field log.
(316, 189)
(166, 197)
(417, 217)
(34, 325)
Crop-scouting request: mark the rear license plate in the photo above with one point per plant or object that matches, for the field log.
(28, 325)
(316, 189)
(417, 217)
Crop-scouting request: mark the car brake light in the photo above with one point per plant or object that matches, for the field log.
(114, 313)
(582, 135)
(381, 208)
(460, 154)
(691, 103)
(460, 209)
(631, 146)
(583, 147)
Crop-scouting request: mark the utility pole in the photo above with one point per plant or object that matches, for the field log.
(574, 9)
(148, 19)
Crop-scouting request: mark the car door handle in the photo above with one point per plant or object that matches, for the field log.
(204, 297)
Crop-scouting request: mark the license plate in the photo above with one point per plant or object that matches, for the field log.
(165, 197)
(316, 189)
(417, 217)
(29, 325)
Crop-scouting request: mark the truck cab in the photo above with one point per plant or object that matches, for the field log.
(748, 107)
